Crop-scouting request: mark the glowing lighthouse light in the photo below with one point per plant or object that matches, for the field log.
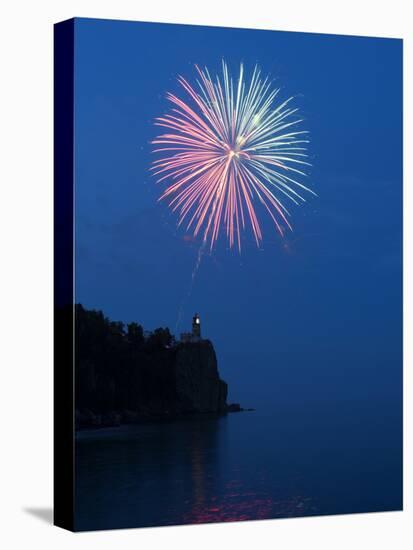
(196, 328)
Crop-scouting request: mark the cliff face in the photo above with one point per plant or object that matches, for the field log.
(197, 383)
(121, 377)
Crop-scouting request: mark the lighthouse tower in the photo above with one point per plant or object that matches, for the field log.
(196, 327)
(195, 335)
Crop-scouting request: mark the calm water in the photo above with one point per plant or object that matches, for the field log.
(251, 465)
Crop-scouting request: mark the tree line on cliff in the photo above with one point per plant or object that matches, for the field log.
(123, 375)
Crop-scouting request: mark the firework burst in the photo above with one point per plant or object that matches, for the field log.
(228, 149)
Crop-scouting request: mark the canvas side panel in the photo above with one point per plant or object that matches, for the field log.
(63, 275)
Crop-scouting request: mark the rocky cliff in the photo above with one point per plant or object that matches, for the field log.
(123, 377)
(198, 387)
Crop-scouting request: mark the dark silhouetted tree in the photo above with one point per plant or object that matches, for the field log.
(135, 334)
(160, 338)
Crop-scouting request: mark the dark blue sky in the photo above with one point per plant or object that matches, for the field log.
(314, 319)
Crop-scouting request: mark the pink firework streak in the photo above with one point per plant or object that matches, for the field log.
(228, 149)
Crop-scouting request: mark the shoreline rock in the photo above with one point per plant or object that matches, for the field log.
(236, 407)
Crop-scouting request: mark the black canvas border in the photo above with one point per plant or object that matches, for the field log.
(63, 274)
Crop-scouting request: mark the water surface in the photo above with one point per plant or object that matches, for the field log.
(243, 466)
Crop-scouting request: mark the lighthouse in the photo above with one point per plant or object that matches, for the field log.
(196, 327)
(195, 335)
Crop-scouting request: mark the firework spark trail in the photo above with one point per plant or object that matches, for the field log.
(196, 267)
(191, 284)
(228, 149)
(201, 251)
